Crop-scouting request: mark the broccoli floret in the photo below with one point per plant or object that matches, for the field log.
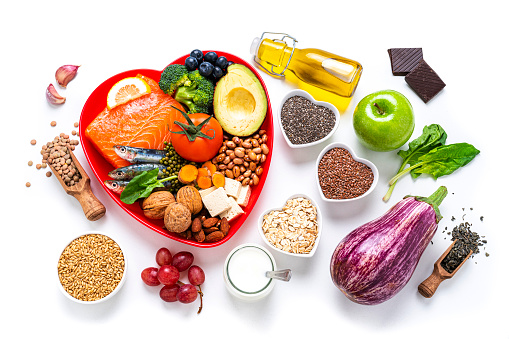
(173, 77)
(197, 94)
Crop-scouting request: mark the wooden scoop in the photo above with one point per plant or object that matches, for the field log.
(81, 190)
(428, 287)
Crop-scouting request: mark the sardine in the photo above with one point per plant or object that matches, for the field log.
(139, 155)
(129, 172)
(117, 186)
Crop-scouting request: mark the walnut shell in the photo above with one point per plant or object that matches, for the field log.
(191, 198)
(155, 204)
(177, 217)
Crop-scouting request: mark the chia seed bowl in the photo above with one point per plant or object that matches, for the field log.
(305, 121)
(343, 176)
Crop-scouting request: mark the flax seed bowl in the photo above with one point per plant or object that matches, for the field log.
(342, 176)
(91, 268)
(294, 228)
(305, 121)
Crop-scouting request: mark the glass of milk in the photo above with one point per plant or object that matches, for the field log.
(244, 272)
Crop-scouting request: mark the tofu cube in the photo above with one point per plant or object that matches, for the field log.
(244, 195)
(216, 202)
(206, 191)
(234, 211)
(232, 187)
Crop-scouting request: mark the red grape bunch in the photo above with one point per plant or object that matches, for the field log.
(168, 274)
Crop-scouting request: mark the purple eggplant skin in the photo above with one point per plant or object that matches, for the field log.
(376, 260)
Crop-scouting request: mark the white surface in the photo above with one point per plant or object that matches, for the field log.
(464, 43)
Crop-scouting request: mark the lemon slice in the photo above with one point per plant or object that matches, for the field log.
(126, 90)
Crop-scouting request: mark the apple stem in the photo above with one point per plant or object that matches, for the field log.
(380, 110)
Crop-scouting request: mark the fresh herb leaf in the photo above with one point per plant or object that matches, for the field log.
(442, 160)
(142, 185)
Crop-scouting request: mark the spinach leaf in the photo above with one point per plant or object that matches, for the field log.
(141, 186)
(442, 160)
(432, 136)
(445, 160)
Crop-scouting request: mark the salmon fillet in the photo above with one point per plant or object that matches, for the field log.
(143, 122)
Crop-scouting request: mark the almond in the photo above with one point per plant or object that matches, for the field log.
(210, 222)
(224, 226)
(214, 236)
(199, 236)
(196, 225)
(210, 229)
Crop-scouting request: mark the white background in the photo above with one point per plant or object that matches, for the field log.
(464, 42)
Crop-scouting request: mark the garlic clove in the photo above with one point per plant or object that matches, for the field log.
(53, 96)
(65, 74)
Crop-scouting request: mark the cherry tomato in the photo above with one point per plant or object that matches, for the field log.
(197, 145)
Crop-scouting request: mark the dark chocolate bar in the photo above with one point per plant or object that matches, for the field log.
(424, 81)
(404, 60)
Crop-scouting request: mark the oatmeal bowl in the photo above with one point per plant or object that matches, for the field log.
(343, 176)
(293, 229)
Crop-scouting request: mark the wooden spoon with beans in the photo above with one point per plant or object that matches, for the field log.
(81, 190)
(428, 287)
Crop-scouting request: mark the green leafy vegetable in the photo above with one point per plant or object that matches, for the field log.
(142, 185)
(428, 154)
(432, 136)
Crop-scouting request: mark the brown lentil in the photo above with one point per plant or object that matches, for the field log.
(341, 177)
(53, 123)
(28, 184)
(57, 154)
(304, 122)
(30, 163)
(76, 124)
(48, 174)
(33, 142)
(91, 267)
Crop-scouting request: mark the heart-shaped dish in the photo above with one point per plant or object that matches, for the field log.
(368, 163)
(318, 223)
(97, 102)
(306, 95)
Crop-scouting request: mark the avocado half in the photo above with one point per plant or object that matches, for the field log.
(240, 102)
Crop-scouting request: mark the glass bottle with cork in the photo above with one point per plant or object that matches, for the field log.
(277, 55)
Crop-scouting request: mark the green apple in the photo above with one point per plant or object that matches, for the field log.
(383, 121)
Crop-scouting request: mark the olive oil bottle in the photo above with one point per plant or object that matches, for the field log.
(313, 66)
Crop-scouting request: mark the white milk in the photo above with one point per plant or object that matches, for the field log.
(244, 272)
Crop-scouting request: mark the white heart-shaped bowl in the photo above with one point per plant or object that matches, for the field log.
(318, 220)
(78, 245)
(299, 92)
(374, 169)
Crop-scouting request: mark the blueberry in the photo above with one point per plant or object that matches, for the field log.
(191, 63)
(210, 57)
(229, 64)
(197, 54)
(217, 73)
(206, 69)
(222, 62)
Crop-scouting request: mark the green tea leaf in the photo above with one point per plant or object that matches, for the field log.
(140, 186)
(444, 160)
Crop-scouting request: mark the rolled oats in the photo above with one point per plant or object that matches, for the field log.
(294, 228)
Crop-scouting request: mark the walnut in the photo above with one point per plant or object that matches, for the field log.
(155, 204)
(177, 217)
(190, 197)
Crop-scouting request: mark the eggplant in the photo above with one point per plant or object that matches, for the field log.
(376, 260)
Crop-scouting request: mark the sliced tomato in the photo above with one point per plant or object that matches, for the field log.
(193, 144)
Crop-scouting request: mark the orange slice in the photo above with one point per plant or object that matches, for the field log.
(126, 90)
